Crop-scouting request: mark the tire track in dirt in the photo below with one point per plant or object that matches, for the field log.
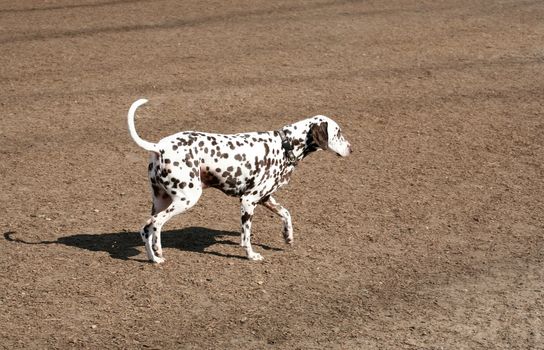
(419, 71)
(235, 16)
(72, 6)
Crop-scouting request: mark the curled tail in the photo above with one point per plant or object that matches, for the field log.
(148, 146)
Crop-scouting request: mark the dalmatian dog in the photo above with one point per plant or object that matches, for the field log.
(251, 166)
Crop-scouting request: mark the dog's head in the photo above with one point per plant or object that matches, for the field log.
(326, 134)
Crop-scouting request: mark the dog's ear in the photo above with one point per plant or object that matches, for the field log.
(320, 135)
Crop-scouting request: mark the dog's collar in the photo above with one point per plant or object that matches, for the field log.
(288, 147)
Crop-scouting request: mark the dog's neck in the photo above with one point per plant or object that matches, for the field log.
(300, 139)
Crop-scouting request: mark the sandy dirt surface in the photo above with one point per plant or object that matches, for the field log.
(430, 236)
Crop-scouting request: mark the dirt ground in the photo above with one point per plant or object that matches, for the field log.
(429, 236)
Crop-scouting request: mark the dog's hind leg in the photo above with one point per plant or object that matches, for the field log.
(151, 232)
(161, 201)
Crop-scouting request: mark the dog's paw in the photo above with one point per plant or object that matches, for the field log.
(255, 257)
(288, 236)
(158, 260)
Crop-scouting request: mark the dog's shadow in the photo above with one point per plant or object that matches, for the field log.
(127, 245)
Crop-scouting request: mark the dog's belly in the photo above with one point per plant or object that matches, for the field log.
(233, 178)
(257, 178)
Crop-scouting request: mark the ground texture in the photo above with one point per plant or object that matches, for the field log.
(430, 236)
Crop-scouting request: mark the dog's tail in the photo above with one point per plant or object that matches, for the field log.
(148, 146)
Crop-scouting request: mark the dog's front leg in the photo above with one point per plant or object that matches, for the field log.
(247, 209)
(277, 209)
